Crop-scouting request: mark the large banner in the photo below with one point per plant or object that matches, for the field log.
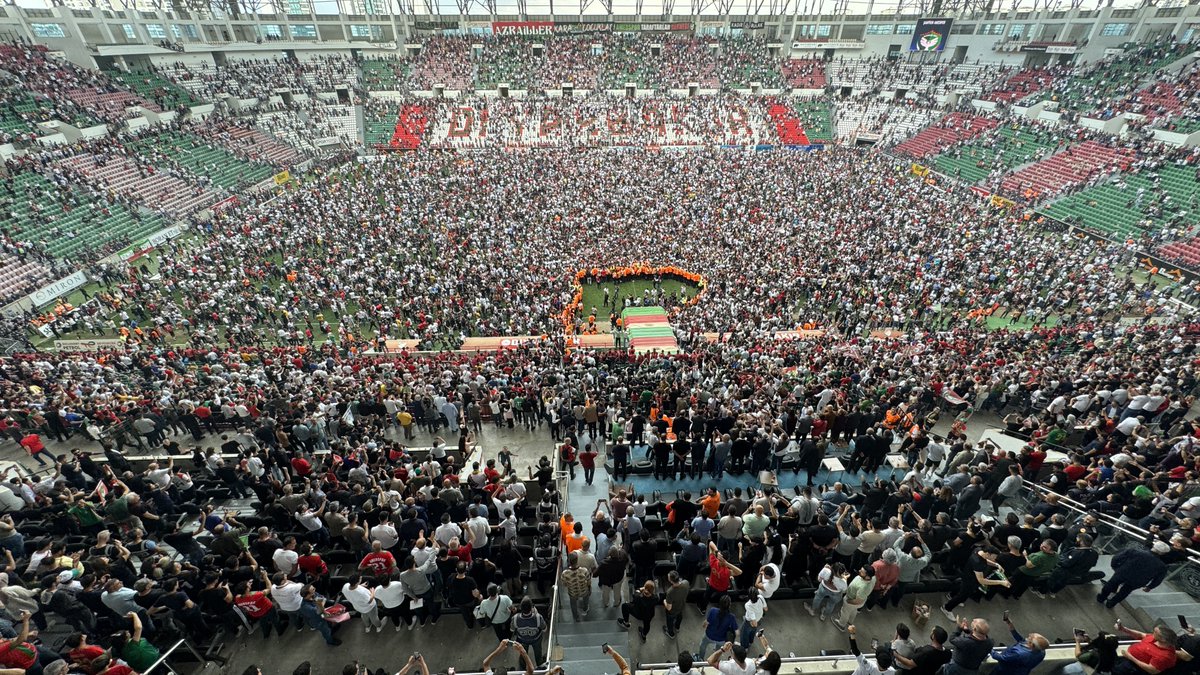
(931, 35)
(48, 293)
(523, 27)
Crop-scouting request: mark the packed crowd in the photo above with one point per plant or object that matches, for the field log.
(316, 437)
(310, 283)
(259, 78)
(597, 121)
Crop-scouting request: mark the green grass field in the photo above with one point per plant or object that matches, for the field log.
(593, 295)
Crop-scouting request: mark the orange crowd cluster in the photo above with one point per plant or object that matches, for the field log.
(60, 309)
(570, 315)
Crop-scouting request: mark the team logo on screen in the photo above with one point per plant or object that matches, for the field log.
(929, 42)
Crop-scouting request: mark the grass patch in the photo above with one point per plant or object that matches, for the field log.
(674, 289)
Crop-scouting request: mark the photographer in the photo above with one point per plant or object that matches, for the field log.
(505, 645)
(1021, 657)
(882, 664)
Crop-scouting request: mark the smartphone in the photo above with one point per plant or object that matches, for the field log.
(1079, 632)
(1182, 621)
(1006, 615)
(604, 648)
(760, 633)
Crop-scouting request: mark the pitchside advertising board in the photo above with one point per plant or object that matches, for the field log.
(931, 35)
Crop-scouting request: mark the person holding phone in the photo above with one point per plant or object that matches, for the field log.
(525, 663)
(622, 664)
(1021, 657)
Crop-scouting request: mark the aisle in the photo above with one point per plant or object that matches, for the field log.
(581, 641)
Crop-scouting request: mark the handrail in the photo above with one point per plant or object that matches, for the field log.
(1128, 529)
(833, 660)
(162, 659)
(561, 477)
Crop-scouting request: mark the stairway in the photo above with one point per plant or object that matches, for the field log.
(581, 642)
(1165, 603)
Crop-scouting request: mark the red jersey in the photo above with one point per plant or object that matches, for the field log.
(719, 577)
(255, 604)
(379, 563)
(15, 654)
(313, 565)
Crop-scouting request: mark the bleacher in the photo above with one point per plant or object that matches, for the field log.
(154, 87)
(303, 128)
(1002, 148)
(506, 60)
(1099, 86)
(202, 158)
(1186, 252)
(18, 277)
(259, 146)
(64, 220)
(951, 129)
(804, 73)
(1073, 166)
(816, 118)
(743, 61)
(112, 106)
(443, 61)
(21, 110)
(380, 123)
(788, 127)
(1023, 83)
(158, 189)
(385, 74)
(410, 127)
(1115, 209)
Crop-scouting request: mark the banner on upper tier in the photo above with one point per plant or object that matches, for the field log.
(887, 334)
(523, 27)
(50, 292)
(283, 177)
(918, 170)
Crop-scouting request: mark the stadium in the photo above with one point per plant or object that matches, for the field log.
(744, 337)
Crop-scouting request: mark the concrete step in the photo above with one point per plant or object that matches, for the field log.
(593, 639)
(589, 632)
(572, 655)
(605, 666)
(1156, 598)
(597, 614)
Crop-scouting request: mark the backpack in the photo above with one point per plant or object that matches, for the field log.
(528, 629)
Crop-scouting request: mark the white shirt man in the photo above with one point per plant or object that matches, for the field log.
(447, 531)
(385, 534)
(360, 597)
(479, 529)
(1129, 425)
(285, 560)
(287, 596)
(769, 583)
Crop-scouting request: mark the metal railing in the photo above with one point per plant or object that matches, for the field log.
(563, 480)
(1118, 531)
(161, 667)
(1056, 653)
